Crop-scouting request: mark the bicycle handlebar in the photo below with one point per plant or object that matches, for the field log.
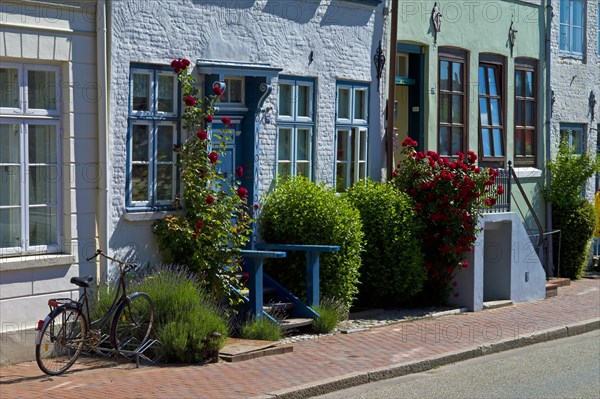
(120, 262)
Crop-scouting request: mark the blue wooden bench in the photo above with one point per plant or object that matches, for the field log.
(312, 264)
(254, 265)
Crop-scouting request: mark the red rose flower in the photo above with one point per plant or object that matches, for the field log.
(217, 90)
(408, 142)
(445, 249)
(199, 224)
(208, 118)
(256, 207)
(226, 121)
(464, 264)
(239, 171)
(190, 101)
(456, 294)
(209, 199)
(213, 157)
(500, 190)
(242, 192)
(202, 134)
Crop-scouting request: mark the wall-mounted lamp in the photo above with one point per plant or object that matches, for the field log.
(512, 36)
(379, 59)
(592, 101)
(311, 57)
(552, 101)
(436, 17)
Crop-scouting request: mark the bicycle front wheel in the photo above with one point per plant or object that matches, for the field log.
(132, 323)
(61, 341)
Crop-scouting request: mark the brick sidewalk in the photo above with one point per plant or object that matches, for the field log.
(330, 362)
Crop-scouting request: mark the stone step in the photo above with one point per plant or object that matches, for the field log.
(288, 324)
(278, 307)
(551, 290)
(559, 281)
(497, 304)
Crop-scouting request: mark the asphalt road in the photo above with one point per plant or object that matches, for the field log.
(563, 368)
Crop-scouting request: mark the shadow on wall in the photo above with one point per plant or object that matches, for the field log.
(299, 11)
(232, 4)
(345, 13)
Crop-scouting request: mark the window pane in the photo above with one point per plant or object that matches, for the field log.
(284, 168)
(141, 92)
(303, 150)
(498, 147)
(41, 89)
(457, 76)
(482, 85)
(304, 101)
(9, 143)
(519, 117)
(492, 81)
(444, 144)
(577, 41)
(139, 183)
(343, 103)
(9, 88)
(43, 222)
(529, 84)
(519, 86)
(164, 146)
(445, 108)
(564, 38)
(486, 142)
(456, 140)
(10, 227)
(444, 75)
(360, 104)
(139, 143)
(342, 145)
(495, 111)
(529, 113)
(42, 143)
(285, 100)
(577, 12)
(165, 180)
(43, 185)
(303, 169)
(529, 143)
(166, 93)
(457, 109)
(363, 145)
(234, 90)
(285, 145)
(564, 11)
(341, 179)
(520, 142)
(483, 112)
(10, 181)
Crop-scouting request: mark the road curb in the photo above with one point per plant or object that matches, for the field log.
(359, 378)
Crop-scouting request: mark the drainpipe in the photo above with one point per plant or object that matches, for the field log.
(549, 15)
(391, 91)
(103, 193)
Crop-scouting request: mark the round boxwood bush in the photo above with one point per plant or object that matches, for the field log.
(576, 227)
(298, 211)
(392, 264)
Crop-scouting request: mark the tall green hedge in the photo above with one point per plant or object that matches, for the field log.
(576, 228)
(298, 211)
(392, 264)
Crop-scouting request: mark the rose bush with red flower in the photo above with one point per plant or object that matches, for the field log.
(226, 121)
(449, 195)
(215, 223)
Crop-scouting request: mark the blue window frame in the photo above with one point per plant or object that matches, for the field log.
(572, 27)
(295, 126)
(153, 130)
(352, 129)
(574, 134)
(492, 138)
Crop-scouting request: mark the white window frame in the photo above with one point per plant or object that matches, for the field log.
(294, 123)
(23, 108)
(357, 128)
(153, 119)
(570, 25)
(225, 97)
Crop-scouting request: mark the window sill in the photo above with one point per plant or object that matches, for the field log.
(35, 260)
(526, 172)
(148, 216)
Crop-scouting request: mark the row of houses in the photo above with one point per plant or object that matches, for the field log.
(90, 110)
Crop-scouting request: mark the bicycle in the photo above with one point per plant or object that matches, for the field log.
(67, 329)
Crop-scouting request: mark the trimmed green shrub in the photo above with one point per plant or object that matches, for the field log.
(298, 211)
(392, 264)
(263, 329)
(576, 229)
(331, 312)
(185, 317)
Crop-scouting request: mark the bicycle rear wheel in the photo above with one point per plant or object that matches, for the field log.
(132, 323)
(61, 341)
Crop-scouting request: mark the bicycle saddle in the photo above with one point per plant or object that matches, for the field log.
(82, 282)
